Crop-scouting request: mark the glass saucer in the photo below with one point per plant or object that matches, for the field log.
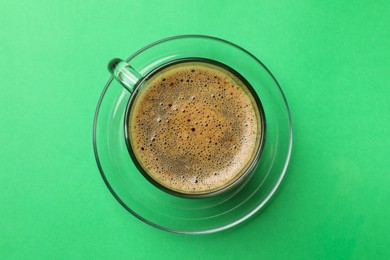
(182, 215)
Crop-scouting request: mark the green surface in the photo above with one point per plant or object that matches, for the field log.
(331, 58)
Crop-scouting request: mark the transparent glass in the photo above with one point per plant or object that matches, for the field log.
(161, 209)
(134, 82)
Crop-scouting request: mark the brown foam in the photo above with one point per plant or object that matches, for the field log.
(194, 127)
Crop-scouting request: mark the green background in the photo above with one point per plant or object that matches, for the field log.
(332, 59)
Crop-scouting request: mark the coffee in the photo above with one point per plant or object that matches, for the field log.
(194, 127)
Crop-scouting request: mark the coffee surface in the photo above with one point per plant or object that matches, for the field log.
(194, 127)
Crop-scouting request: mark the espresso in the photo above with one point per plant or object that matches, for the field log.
(194, 127)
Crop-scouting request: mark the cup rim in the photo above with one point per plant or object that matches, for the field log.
(249, 168)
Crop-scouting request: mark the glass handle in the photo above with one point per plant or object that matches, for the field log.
(124, 73)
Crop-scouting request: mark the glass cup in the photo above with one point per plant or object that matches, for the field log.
(134, 82)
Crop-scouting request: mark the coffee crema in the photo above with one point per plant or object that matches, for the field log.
(194, 127)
